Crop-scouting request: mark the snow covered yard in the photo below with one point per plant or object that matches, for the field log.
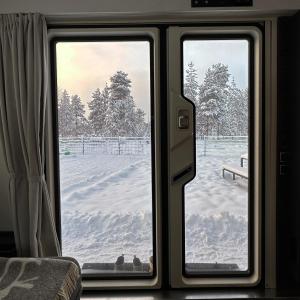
(216, 208)
(107, 209)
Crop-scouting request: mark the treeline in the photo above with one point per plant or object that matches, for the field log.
(221, 107)
(112, 112)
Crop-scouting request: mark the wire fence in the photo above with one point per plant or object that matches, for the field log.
(105, 145)
(216, 145)
(206, 145)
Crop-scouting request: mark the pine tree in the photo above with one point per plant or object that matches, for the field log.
(79, 124)
(190, 83)
(140, 124)
(65, 115)
(98, 110)
(236, 114)
(213, 95)
(191, 90)
(120, 118)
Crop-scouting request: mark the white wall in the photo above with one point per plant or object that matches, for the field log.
(53, 7)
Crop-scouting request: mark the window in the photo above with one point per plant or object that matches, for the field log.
(217, 215)
(108, 86)
(214, 155)
(105, 103)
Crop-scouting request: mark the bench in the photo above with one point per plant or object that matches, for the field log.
(243, 157)
(235, 170)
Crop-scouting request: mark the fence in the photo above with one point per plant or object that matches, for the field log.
(105, 145)
(216, 145)
(206, 145)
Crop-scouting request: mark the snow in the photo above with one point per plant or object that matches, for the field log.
(216, 208)
(107, 209)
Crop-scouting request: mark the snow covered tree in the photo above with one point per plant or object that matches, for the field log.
(120, 117)
(191, 90)
(79, 122)
(140, 124)
(98, 111)
(65, 119)
(190, 83)
(235, 119)
(244, 116)
(213, 95)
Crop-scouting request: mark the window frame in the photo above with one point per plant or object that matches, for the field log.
(158, 30)
(150, 35)
(179, 277)
(250, 190)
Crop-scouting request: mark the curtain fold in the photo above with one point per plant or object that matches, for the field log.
(23, 98)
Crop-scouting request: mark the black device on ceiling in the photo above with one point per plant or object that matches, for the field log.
(221, 3)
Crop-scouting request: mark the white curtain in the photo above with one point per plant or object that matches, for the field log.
(23, 97)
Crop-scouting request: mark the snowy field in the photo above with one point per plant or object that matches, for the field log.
(107, 209)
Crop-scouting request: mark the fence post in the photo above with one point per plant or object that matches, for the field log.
(204, 145)
(119, 145)
(82, 140)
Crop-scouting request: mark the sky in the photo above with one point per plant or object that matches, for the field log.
(204, 54)
(83, 67)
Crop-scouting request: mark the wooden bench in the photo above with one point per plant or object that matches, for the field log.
(235, 170)
(243, 157)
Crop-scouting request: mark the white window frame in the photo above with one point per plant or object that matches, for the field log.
(153, 33)
(269, 120)
(177, 160)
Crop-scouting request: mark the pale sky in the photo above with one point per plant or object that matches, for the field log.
(84, 66)
(233, 53)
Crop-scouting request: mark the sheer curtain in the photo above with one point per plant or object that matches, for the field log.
(23, 99)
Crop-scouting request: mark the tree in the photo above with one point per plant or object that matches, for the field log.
(190, 84)
(213, 94)
(140, 124)
(79, 122)
(236, 114)
(120, 118)
(98, 111)
(191, 90)
(65, 115)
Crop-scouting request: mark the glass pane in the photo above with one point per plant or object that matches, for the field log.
(216, 80)
(104, 113)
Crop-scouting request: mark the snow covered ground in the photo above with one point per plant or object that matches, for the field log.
(107, 209)
(216, 208)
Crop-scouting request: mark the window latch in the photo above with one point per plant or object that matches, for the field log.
(183, 119)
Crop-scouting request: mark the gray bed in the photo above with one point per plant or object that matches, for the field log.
(39, 278)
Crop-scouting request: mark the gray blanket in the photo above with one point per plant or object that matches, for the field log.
(38, 278)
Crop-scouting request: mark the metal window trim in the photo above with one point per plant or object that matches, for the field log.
(177, 279)
(153, 33)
